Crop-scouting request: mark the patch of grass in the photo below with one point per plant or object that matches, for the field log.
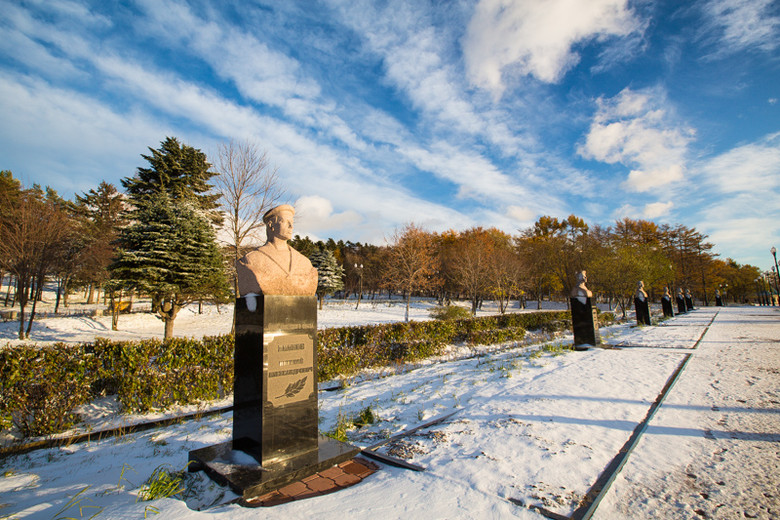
(345, 422)
(557, 349)
(76, 501)
(365, 417)
(162, 483)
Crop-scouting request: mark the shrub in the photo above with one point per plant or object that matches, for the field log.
(40, 388)
(449, 312)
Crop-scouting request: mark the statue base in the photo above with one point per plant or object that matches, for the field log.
(642, 309)
(666, 305)
(585, 323)
(276, 437)
(248, 479)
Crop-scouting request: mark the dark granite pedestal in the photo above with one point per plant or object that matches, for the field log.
(680, 305)
(688, 303)
(275, 433)
(642, 309)
(240, 471)
(666, 305)
(718, 301)
(585, 323)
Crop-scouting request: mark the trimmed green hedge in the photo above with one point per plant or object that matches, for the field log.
(346, 350)
(40, 387)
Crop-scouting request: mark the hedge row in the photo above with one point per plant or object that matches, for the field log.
(41, 387)
(347, 350)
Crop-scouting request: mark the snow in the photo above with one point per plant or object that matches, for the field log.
(534, 427)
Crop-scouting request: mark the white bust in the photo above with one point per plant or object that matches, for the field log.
(276, 268)
(581, 292)
(641, 295)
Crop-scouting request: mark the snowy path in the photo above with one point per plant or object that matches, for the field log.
(713, 450)
(533, 429)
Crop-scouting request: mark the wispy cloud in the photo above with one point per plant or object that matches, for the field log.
(753, 167)
(637, 129)
(741, 24)
(536, 38)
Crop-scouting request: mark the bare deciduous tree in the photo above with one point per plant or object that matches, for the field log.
(249, 187)
(32, 232)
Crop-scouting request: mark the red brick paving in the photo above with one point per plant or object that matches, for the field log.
(332, 479)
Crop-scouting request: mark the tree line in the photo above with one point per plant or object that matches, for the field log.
(159, 238)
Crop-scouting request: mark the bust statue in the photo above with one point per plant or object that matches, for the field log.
(580, 291)
(666, 295)
(275, 267)
(641, 295)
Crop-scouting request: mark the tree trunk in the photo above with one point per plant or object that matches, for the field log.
(408, 298)
(168, 327)
(21, 292)
(91, 296)
(8, 294)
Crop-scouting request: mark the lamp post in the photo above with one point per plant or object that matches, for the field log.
(758, 292)
(777, 271)
(359, 269)
(764, 286)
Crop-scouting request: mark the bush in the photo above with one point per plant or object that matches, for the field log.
(40, 388)
(449, 312)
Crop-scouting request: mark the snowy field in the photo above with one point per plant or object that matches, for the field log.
(534, 428)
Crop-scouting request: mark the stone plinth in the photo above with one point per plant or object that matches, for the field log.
(642, 309)
(680, 305)
(666, 305)
(585, 323)
(275, 432)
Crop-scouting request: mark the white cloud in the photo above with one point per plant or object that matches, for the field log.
(476, 177)
(742, 24)
(637, 129)
(522, 214)
(88, 139)
(657, 209)
(626, 211)
(753, 167)
(314, 214)
(536, 37)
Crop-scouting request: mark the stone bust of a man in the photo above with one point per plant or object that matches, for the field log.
(640, 295)
(580, 291)
(275, 267)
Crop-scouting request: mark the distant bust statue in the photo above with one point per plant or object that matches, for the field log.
(641, 295)
(666, 295)
(276, 268)
(580, 291)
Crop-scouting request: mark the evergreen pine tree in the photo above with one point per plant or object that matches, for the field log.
(331, 274)
(180, 171)
(170, 252)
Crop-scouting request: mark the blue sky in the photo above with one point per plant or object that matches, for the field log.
(450, 114)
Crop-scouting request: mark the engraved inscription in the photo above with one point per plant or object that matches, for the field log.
(290, 368)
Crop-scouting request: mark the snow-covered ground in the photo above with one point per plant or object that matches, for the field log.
(533, 427)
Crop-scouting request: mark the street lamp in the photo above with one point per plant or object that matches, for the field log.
(359, 269)
(776, 269)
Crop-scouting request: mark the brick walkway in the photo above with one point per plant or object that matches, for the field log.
(332, 479)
